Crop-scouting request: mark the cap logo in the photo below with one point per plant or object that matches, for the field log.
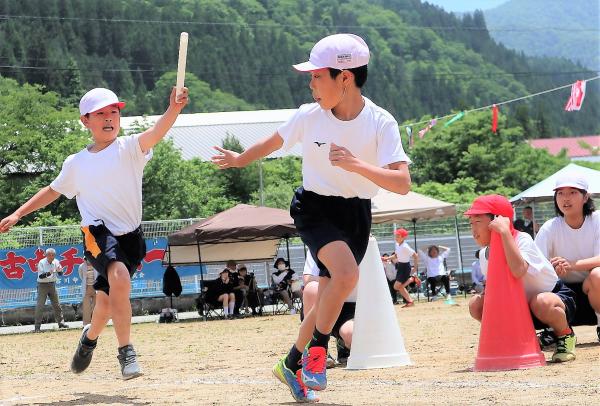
(344, 58)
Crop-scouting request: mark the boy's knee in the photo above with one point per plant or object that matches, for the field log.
(347, 279)
(594, 279)
(476, 307)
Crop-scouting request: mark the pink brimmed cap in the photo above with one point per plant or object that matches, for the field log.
(338, 51)
(571, 180)
(98, 98)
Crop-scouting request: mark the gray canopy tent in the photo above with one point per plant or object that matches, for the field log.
(242, 233)
(389, 207)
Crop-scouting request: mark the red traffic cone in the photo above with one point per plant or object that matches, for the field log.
(507, 338)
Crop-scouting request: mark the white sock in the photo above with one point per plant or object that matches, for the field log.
(225, 310)
(598, 317)
(231, 306)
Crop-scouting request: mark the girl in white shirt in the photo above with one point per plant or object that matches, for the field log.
(571, 241)
(436, 269)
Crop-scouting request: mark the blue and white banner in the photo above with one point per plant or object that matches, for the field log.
(18, 268)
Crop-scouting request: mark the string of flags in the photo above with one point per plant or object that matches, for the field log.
(573, 104)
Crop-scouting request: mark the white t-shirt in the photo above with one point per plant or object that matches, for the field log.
(107, 184)
(372, 137)
(311, 268)
(557, 239)
(44, 266)
(390, 270)
(435, 266)
(404, 252)
(540, 276)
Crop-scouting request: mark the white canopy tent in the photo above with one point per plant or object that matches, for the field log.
(544, 190)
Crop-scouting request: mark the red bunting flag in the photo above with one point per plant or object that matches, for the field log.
(494, 118)
(577, 96)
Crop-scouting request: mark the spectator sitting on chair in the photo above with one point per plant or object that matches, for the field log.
(477, 276)
(250, 292)
(390, 274)
(436, 269)
(87, 275)
(48, 268)
(223, 291)
(282, 282)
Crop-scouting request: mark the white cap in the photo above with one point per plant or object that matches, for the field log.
(339, 51)
(571, 180)
(98, 98)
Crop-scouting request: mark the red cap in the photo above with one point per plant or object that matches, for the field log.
(492, 204)
(401, 232)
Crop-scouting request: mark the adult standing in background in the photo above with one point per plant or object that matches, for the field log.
(48, 269)
(87, 275)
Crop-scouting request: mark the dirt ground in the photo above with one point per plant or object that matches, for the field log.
(229, 362)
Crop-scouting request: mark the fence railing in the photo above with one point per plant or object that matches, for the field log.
(434, 232)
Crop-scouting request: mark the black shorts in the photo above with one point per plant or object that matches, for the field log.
(324, 219)
(402, 271)
(347, 313)
(101, 248)
(584, 314)
(567, 296)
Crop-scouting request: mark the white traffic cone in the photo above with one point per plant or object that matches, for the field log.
(376, 340)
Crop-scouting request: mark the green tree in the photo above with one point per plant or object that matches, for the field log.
(468, 150)
(36, 136)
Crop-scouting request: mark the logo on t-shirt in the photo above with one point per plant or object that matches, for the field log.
(320, 143)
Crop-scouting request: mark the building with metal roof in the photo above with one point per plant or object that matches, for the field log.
(196, 134)
(585, 148)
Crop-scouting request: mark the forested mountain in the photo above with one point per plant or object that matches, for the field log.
(425, 61)
(568, 29)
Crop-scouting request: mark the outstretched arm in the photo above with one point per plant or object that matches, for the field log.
(41, 199)
(395, 177)
(231, 159)
(154, 134)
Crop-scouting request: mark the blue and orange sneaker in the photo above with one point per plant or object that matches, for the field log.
(300, 392)
(314, 363)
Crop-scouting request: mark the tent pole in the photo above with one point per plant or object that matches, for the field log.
(287, 247)
(460, 259)
(533, 217)
(414, 221)
(200, 265)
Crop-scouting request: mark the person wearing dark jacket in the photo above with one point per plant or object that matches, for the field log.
(222, 290)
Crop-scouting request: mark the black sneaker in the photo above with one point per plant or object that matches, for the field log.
(128, 360)
(342, 352)
(547, 338)
(83, 354)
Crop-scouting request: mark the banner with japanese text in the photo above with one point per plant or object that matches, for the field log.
(18, 268)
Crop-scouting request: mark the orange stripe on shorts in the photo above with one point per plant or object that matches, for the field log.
(90, 242)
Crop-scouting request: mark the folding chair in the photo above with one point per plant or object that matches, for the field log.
(206, 305)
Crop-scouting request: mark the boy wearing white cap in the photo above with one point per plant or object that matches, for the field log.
(106, 180)
(571, 241)
(351, 147)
